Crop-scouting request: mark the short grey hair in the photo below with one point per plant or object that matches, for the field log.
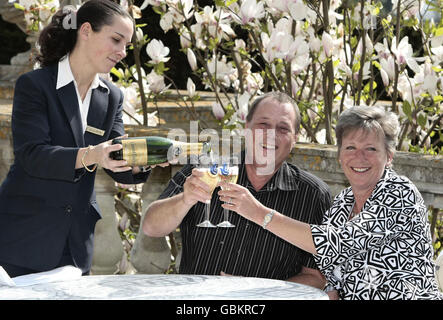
(369, 119)
(281, 97)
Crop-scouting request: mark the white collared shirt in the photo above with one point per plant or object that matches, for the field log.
(65, 76)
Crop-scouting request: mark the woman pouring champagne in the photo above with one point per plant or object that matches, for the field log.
(64, 118)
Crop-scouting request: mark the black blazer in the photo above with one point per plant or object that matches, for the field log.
(44, 200)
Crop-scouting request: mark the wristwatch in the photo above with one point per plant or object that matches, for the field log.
(268, 218)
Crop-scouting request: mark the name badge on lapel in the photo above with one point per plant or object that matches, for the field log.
(95, 131)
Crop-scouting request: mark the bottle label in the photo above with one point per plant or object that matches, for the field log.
(135, 152)
(187, 148)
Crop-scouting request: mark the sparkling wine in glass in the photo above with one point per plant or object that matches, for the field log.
(211, 178)
(228, 172)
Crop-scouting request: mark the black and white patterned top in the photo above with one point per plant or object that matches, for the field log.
(248, 249)
(384, 252)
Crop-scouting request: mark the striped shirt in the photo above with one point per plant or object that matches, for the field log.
(248, 249)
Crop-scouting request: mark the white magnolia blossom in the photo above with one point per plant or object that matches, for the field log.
(387, 64)
(284, 25)
(218, 111)
(368, 44)
(239, 45)
(384, 77)
(190, 86)
(407, 89)
(192, 59)
(426, 78)
(157, 51)
(251, 10)
(404, 53)
(185, 38)
(437, 48)
(146, 3)
(153, 120)
(409, 8)
(178, 12)
(365, 73)
(139, 34)
(184, 9)
(243, 105)
(299, 10)
(314, 44)
(300, 58)
(38, 11)
(166, 21)
(254, 83)
(130, 101)
(156, 82)
(222, 70)
(27, 3)
(280, 46)
(216, 23)
(328, 44)
(382, 49)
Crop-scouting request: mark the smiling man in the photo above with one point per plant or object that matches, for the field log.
(247, 249)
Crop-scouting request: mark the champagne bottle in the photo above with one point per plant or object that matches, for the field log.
(142, 151)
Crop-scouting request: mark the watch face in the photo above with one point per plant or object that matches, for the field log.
(267, 218)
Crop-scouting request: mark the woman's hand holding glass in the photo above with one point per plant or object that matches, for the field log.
(240, 200)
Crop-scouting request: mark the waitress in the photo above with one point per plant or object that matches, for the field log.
(63, 120)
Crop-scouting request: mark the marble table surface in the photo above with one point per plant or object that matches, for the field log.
(164, 287)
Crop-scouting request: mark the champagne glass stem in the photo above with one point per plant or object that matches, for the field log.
(208, 209)
(225, 223)
(226, 213)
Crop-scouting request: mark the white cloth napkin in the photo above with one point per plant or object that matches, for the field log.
(65, 273)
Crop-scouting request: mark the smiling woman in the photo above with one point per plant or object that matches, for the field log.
(60, 37)
(366, 140)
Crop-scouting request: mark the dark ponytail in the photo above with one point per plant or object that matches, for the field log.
(55, 41)
(60, 36)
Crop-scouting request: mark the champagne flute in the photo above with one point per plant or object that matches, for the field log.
(210, 177)
(228, 173)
